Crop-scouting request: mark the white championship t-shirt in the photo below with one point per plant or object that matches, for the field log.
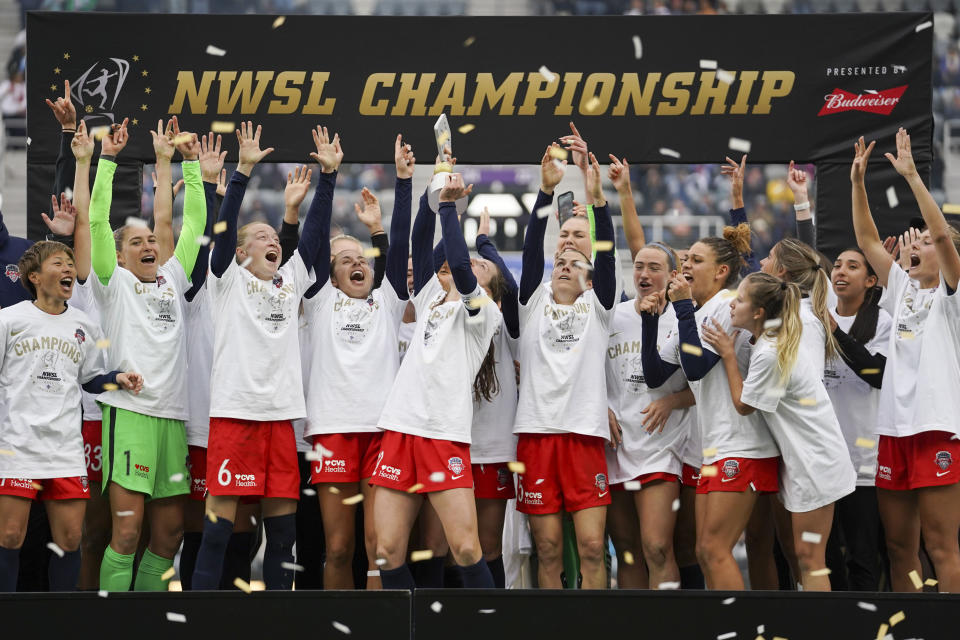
(432, 396)
(816, 469)
(256, 348)
(922, 376)
(492, 434)
(721, 427)
(562, 352)
(353, 358)
(628, 395)
(813, 339)
(855, 402)
(199, 314)
(404, 335)
(82, 299)
(144, 322)
(43, 360)
(304, 444)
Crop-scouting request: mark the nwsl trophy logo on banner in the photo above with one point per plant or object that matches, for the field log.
(96, 91)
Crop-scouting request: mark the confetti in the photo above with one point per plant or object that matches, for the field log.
(98, 133)
(6, 452)
(899, 616)
(203, 240)
(603, 245)
(882, 631)
(543, 212)
(487, 611)
(103, 343)
(466, 128)
(469, 41)
(423, 554)
(664, 151)
(628, 557)
(253, 520)
(133, 221)
(177, 477)
(951, 209)
(372, 252)
(29, 141)
(415, 488)
(443, 137)
(436, 606)
(632, 485)
(279, 22)
(169, 573)
(477, 302)
(183, 138)
(583, 265)
(866, 470)
(216, 51)
(36, 485)
(53, 546)
(342, 628)
(309, 492)
(558, 152)
(380, 562)
(930, 582)
(124, 514)
(102, 593)
(729, 601)
(915, 579)
(353, 499)
(865, 443)
(667, 586)
(692, 349)
(807, 402)
(869, 372)
(772, 324)
(242, 584)
(708, 64)
(517, 467)
(438, 476)
(539, 481)
(548, 75)
(726, 636)
(211, 516)
(820, 572)
(923, 25)
(811, 537)
(760, 628)
(220, 227)
(109, 386)
(867, 606)
(637, 47)
(175, 617)
(892, 200)
(593, 105)
(739, 144)
(753, 486)
(708, 471)
(222, 126)
(333, 490)
(676, 504)
(709, 452)
(246, 262)
(726, 77)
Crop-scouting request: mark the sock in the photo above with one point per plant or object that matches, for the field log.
(63, 573)
(281, 532)
(188, 558)
(430, 574)
(9, 567)
(477, 576)
(116, 570)
(496, 570)
(236, 562)
(149, 574)
(213, 546)
(691, 577)
(399, 578)
(452, 579)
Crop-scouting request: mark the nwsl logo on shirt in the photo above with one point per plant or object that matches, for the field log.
(13, 272)
(278, 280)
(79, 335)
(161, 280)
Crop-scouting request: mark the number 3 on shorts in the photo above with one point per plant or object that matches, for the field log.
(223, 476)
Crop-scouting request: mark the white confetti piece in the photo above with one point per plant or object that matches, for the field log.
(915, 579)
(487, 611)
(222, 126)
(436, 607)
(133, 221)
(438, 476)
(543, 212)
(243, 585)
(811, 537)
(727, 636)
(708, 64)
(866, 470)
(124, 514)
(69, 193)
(761, 628)
(892, 199)
(820, 572)
(865, 443)
(632, 485)
(676, 505)
(279, 22)
(103, 593)
(466, 128)
(637, 47)
(380, 562)
(517, 467)
(726, 77)
(29, 141)
(729, 600)
(175, 617)
(739, 144)
(668, 586)
(664, 151)
(292, 566)
(216, 51)
(558, 163)
(246, 262)
(53, 546)
(539, 481)
(253, 520)
(342, 628)
(423, 554)
(169, 573)
(309, 492)
(772, 324)
(177, 477)
(353, 499)
(628, 557)
(548, 75)
(203, 240)
(923, 25)
(753, 487)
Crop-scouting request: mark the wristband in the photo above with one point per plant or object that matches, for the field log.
(803, 206)
(109, 157)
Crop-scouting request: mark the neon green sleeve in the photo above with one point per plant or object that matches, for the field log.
(103, 249)
(593, 230)
(194, 217)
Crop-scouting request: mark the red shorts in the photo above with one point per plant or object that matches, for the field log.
(92, 432)
(354, 457)
(921, 460)
(493, 481)
(197, 466)
(252, 458)
(738, 474)
(691, 476)
(563, 471)
(647, 478)
(50, 488)
(405, 461)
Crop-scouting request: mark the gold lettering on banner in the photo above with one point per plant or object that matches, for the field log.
(241, 92)
(187, 90)
(742, 103)
(631, 92)
(712, 91)
(292, 94)
(537, 88)
(314, 107)
(451, 95)
(411, 91)
(493, 95)
(602, 81)
(570, 83)
(776, 84)
(680, 97)
(374, 80)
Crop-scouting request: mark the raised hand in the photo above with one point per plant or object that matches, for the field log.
(652, 303)
(577, 146)
(551, 173)
(132, 382)
(163, 146)
(484, 228)
(328, 153)
(250, 152)
(594, 181)
(904, 247)
(298, 183)
(82, 144)
(114, 142)
(64, 216)
(211, 157)
(188, 145)
(369, 214)
(453, 188)
(222, 183)
(619, 174)
(63, 109)
(735, 172)
(678, 289)
(403, 158)
(797, 181)
(860, 158)
(721, 341)
(903, 163)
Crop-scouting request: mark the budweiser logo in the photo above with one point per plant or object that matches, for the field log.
(881, 102)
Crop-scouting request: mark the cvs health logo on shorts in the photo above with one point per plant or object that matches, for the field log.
(879, 102)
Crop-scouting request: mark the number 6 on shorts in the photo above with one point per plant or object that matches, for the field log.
(223, 476)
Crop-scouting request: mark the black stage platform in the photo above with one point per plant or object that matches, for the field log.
(464, 615)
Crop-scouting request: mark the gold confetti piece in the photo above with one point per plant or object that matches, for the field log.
(692, 349)
(290, 566)
(469, 41)
(6, 452)
(668, 586)
(869, 372)
(466, 128)
(438, 476)
(868, 606)
(915, 579)
(729, 601)
(436, 607)
(279, 21)
(709, 452)
(372, 252)
(951, 209)
(592, 106)
(628, 557)
(243, 585)
(676, 505)
(309, 492)
(778, 638)
(342, 628)
(772, 324)
(53, 546)
(333, 490)
(726, 77)
(124, 514)
(98, 133)
(216, 51)
(203, 240)
(220, 227)
(222, 126)
(423, 554)
(759, 638)
(637, 47)
(632, 485)
(664, 151)
(603, 245)
(930, 582)
(415, 488)
(865, 443)
(517, 467)
(103, 343)
(548, 75)
(477, 302)
(811, 537)
(109, 386)
(211, 516)
(183, 138)
(36, 486)
(820, 572)
(175, 617)
(443, 137)
(709, 471)
(353, 499)
(708, 64)
(899, 616)
(558, 152)
(169, 573)
(882, 631)
(739, 144)
(807, 402)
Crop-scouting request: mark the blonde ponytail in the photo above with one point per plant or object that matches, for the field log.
(780, 301)
(801, 266)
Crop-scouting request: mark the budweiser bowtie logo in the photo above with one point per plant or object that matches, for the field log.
(881, 102)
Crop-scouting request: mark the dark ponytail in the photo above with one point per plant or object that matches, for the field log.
(486, 384)
(864, 326)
